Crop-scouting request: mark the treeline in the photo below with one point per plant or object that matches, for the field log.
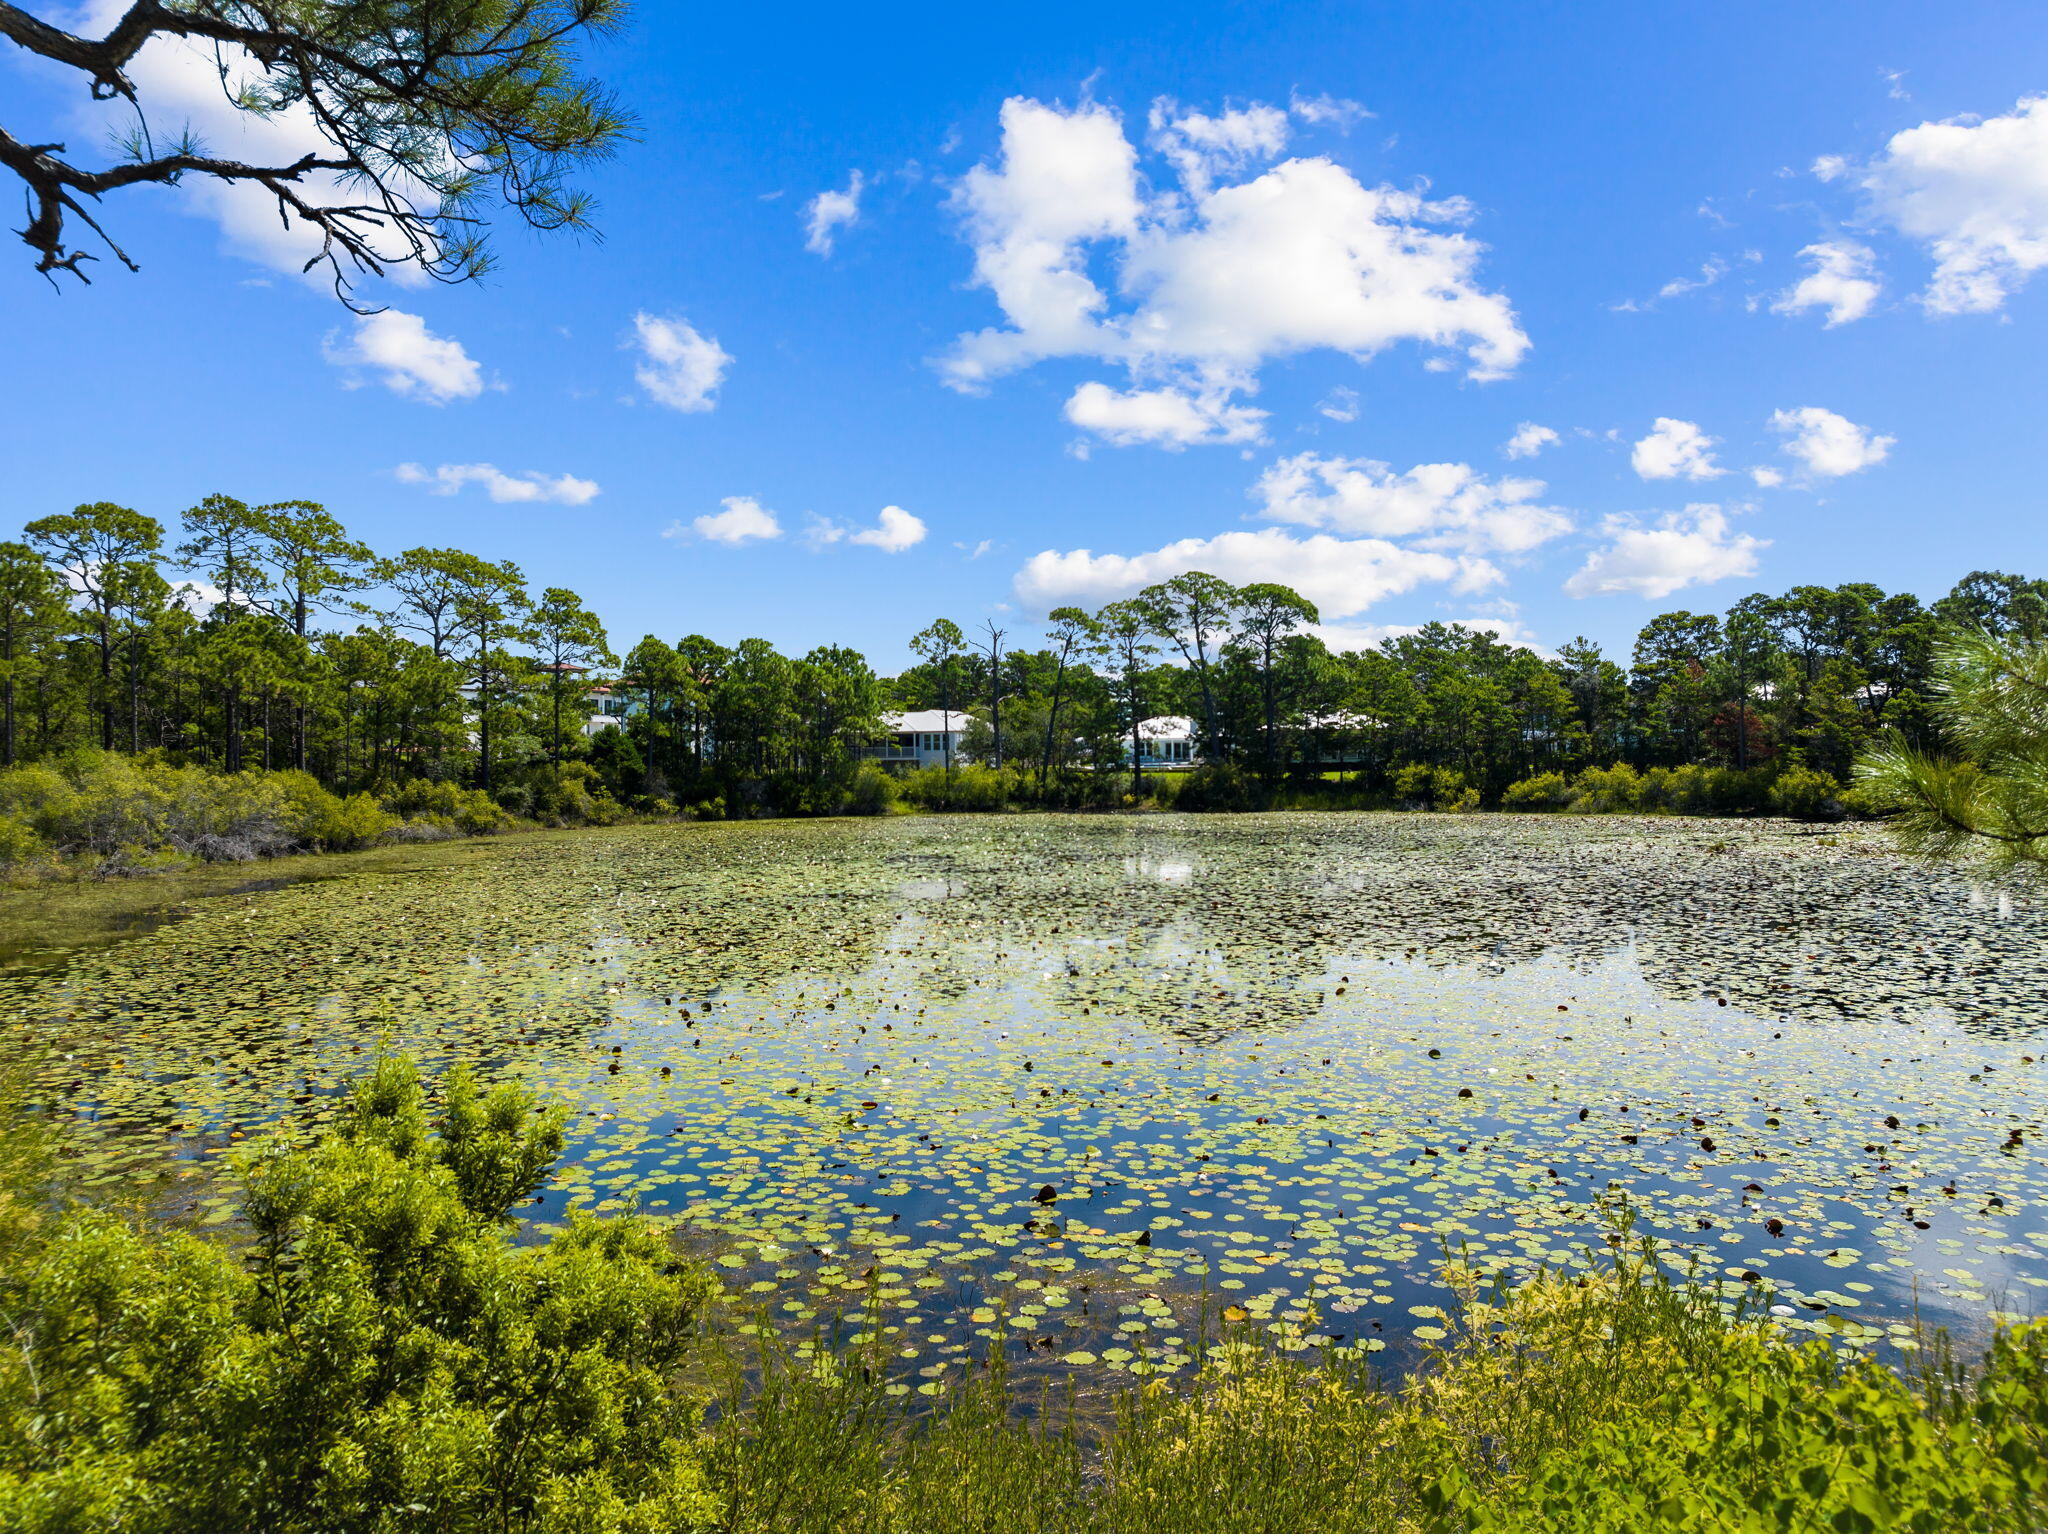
(266, 638)
(1707, 713)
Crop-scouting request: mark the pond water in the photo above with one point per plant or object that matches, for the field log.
(1080, 1085)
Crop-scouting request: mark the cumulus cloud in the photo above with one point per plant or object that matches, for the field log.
(1213, 280)
(183, 83)
(1369, 636)
(527, 485)
(894, 531)
(744, 520)
(1342, 576)
(1975, 193)
(1693, 547)
(1438, 505)
(1675, 450)
(682, 368)
(1169, 418)
(1529, 440)
(1843, 282)
(1201, 147)
(1828, 445)
(407, 358)
(829, 212)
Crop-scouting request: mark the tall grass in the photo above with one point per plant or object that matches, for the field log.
(1627, 1401)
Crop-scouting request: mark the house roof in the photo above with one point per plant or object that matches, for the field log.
(1167, 727)
(926, 720)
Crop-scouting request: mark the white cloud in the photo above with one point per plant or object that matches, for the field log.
(744, 520)
(1712, 270)
(1440, 505)
(1342, 576)
(1368, 636)
(1675, 450)
(1202, 147)
(1766, 477)
(1842, 282)
(1327, 110)
(1828, 445)
(1169, 418)
(528, 485)
(1212, 281)
(408, 358)
(1689, 548)
(182, 82)
(829, 212)
(1529, 440)
(1341, 404)
(683, 368)
(1830, 167)
(1976, 194)
(894, 531)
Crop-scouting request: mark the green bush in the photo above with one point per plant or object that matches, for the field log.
(470, 811)
(872, 792)
(1615, 790)
(326, 822)
(1544, 791)
(1801, 793)
(1219, 786)
(20, 846)
(969, 786)
(379, 1355)
(110, 807)
(1424, 787)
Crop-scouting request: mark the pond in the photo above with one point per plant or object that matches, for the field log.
(1079, 1086)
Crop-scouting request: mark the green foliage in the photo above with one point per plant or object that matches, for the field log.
(1991, 697)
(969, 787)
(1616, 790)
(872, 792)
(1216, 786)
(1435, 788)
(1544, 791)
(381, 1353)
(1623, 1402)
(469, 811)
(1801, 793)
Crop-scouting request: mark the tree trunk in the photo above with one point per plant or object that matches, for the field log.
(106, 683)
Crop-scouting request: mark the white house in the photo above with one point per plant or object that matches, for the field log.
(924, 737)
(1167, 742)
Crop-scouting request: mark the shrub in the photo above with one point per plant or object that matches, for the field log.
(872, 791)
(1544, 791)
(1801, 793)
(20, 846)
(969, 786)
(1219, 786)
(471, 811)
(1423, 787)
(325, 821)
(100, 804)
(380, 1355)
(1615, 790)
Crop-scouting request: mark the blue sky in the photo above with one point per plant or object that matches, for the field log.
(1268, 290)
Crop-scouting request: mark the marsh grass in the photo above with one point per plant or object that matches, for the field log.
(1630, 1399)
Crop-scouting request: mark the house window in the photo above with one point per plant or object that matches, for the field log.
(931, 741)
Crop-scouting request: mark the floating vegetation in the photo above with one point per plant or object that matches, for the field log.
(1082, 1086)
